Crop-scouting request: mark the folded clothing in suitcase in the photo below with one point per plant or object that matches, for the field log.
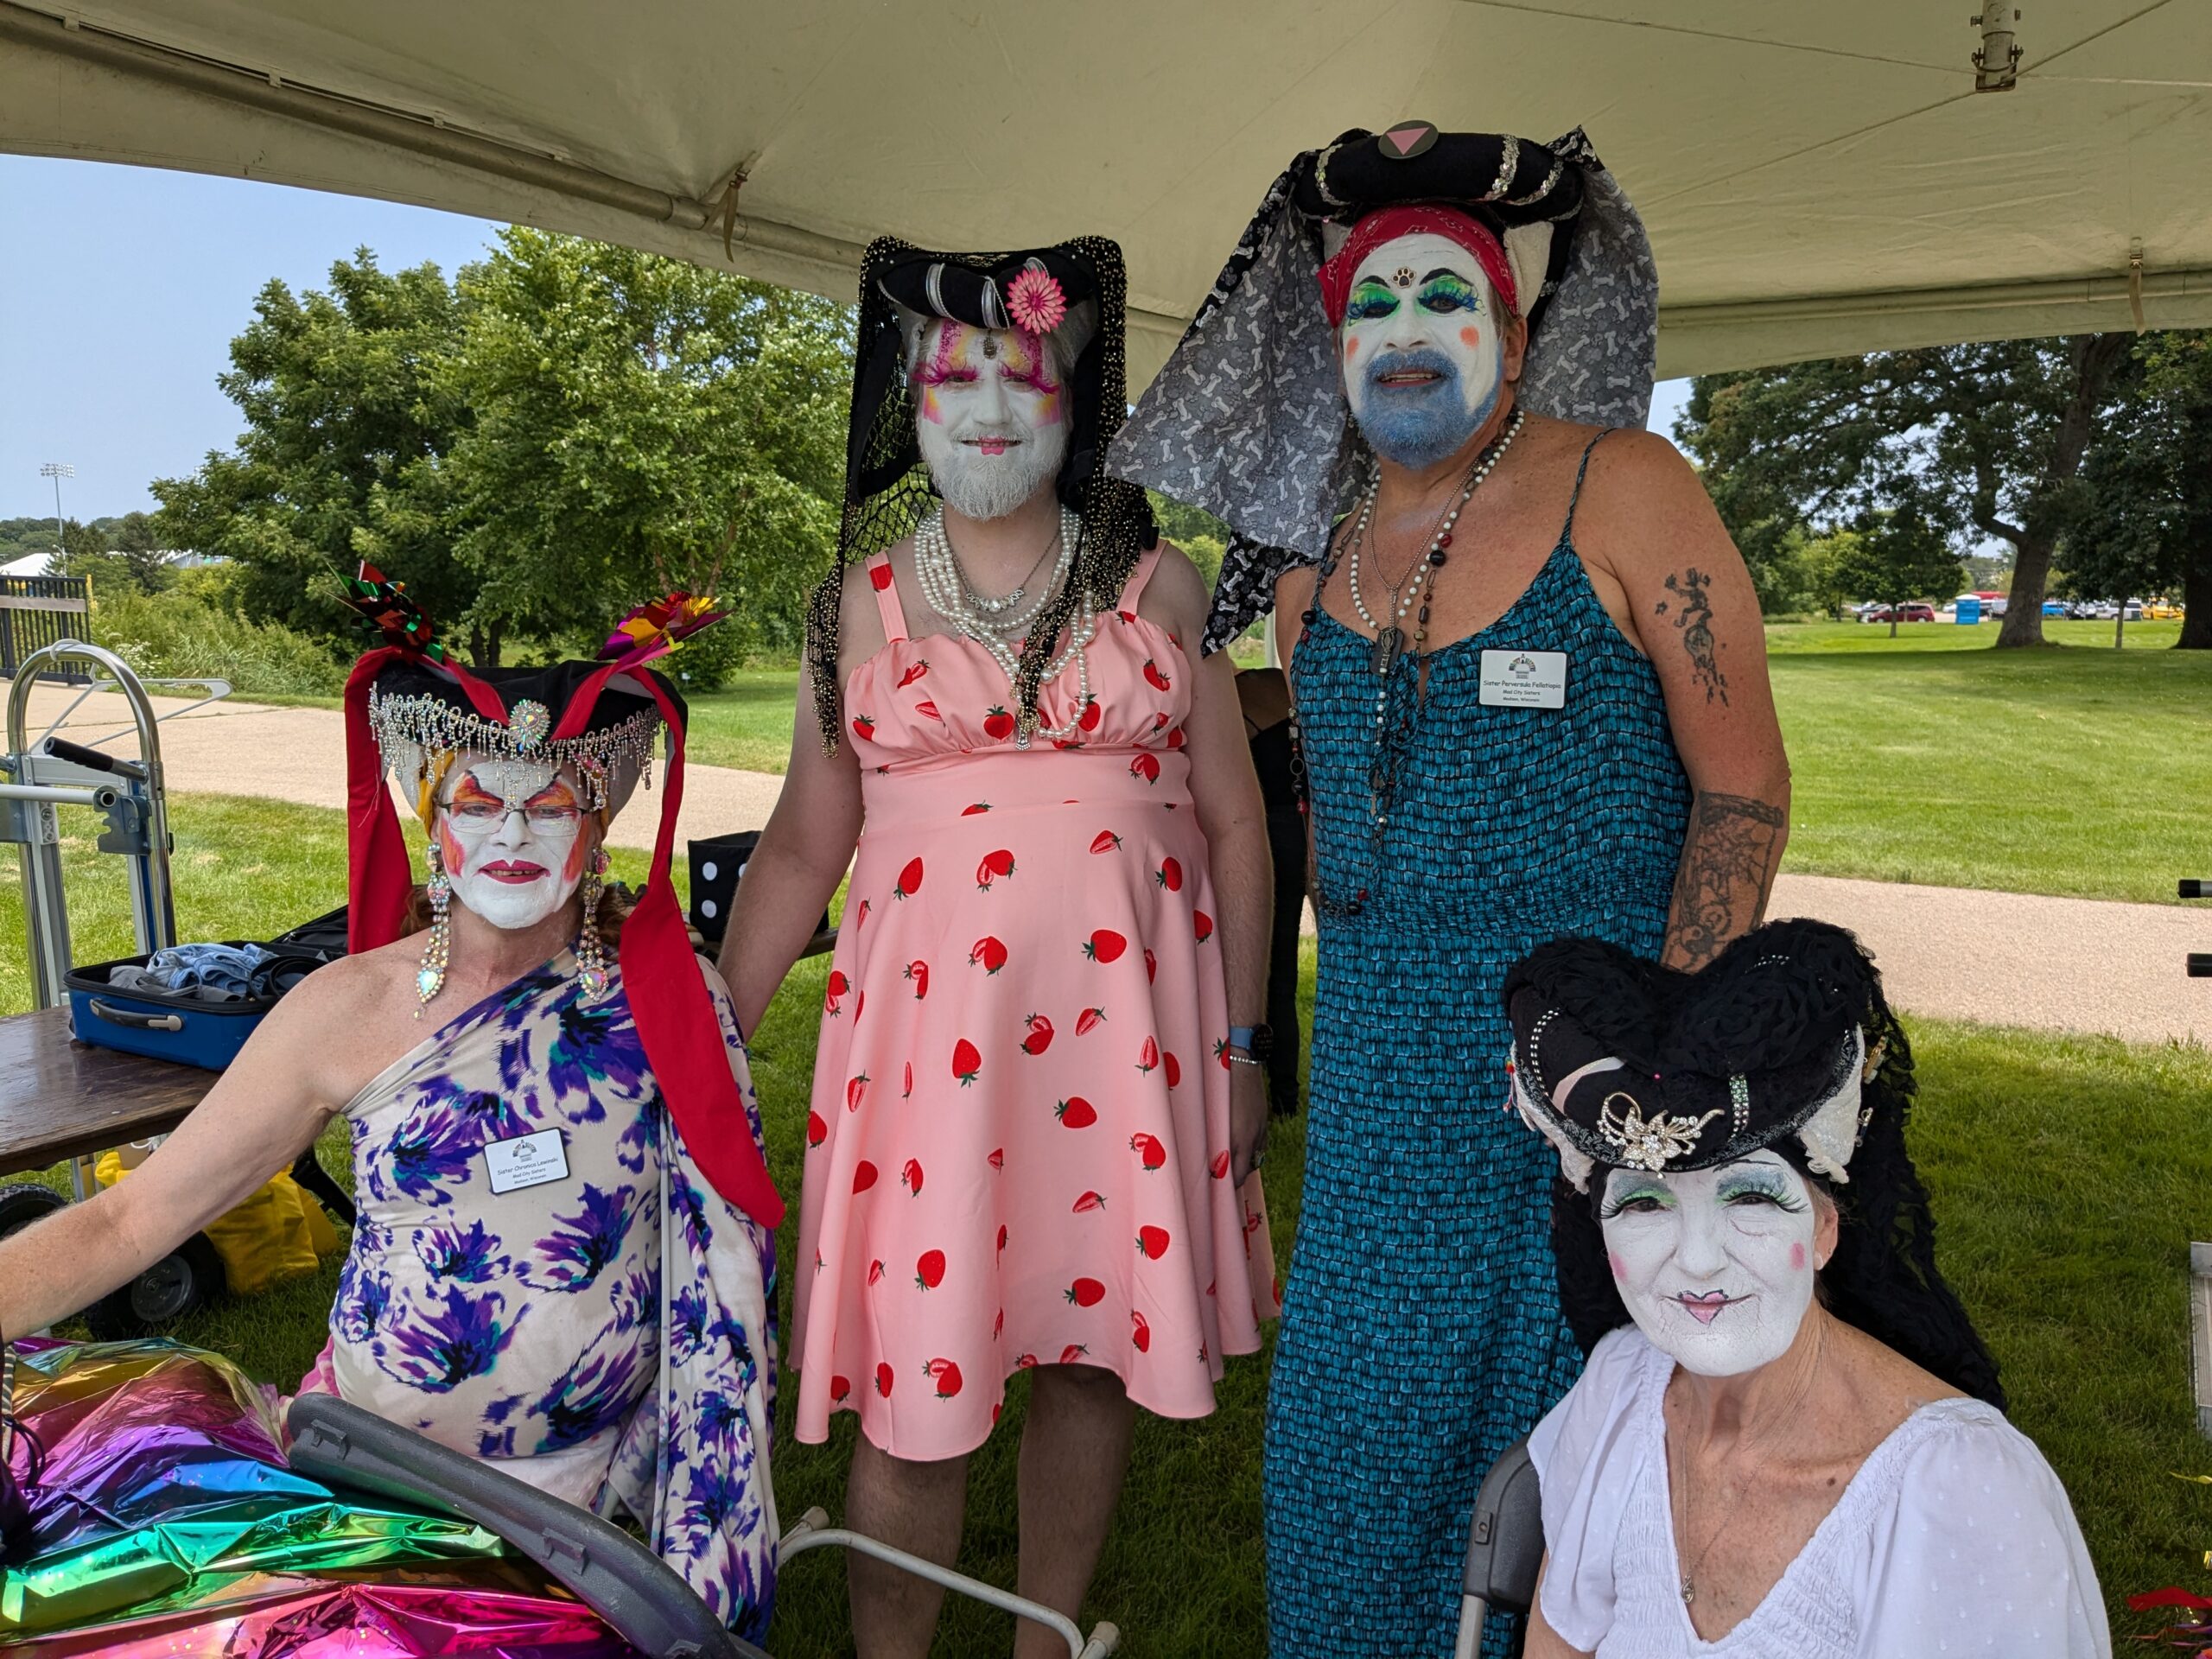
(195, 1004)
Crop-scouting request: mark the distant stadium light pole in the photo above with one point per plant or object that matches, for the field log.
(58, 470)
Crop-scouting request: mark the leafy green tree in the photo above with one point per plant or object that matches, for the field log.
(642, 424)
(1984, 438)
(1893, 555)
(2145, 524)
(346, 413)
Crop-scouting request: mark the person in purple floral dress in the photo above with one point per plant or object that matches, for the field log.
(564, 1263)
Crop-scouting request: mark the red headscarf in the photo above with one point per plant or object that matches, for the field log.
(1388, 223)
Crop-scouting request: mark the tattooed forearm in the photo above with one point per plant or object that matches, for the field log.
(1693, 612)
(1727, 870)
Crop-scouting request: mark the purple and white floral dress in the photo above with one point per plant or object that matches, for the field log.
(606, 1334)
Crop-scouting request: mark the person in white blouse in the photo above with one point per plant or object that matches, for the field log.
(1789, 1440)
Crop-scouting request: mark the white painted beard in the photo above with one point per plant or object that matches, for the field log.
(978, 485)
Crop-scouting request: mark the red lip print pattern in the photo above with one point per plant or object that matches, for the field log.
(995, 865)
(966, 1062)
(989, 953)
(910, 879)
(1076, 1113)
(1040, 1034)
(1105, 945)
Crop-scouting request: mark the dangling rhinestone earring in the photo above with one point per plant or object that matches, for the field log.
(430, 978)
(591, 950)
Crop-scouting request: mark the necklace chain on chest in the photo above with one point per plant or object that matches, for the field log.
(944, 586)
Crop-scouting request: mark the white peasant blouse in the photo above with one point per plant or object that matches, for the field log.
(1954, 1538)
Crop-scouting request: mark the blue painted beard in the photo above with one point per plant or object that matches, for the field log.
(1419, 424)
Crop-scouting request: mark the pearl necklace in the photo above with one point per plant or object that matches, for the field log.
(937, 571)
(999, 612)
(1391, 638)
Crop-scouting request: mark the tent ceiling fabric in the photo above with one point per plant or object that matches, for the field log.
(1817, 179)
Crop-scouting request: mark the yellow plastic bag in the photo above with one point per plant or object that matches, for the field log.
(279, 1233)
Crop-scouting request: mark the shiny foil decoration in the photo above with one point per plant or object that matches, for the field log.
(163, 1488)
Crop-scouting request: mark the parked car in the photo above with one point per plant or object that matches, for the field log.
(1992, 603)
(1913, 611)
(2162, 610)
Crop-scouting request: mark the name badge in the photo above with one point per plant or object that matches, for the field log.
(1524, 679)
(526, 1160)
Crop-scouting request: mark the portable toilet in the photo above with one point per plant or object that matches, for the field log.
(1969, 606)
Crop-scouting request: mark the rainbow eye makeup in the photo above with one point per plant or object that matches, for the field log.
(1372, 300)
(1444, 293)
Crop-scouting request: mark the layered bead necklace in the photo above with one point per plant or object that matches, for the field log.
(1391, 636)
(996, 624)
(1390, 642)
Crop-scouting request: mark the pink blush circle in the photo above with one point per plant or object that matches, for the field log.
(1796, 1258)
(1620, 1269)
(1470, 337)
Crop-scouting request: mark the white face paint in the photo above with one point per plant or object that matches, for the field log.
(1715, 1265)
(1422, 349)
(990, 416)
(512, 835)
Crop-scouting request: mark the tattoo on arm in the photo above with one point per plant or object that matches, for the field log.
(1693, 612)
(1726, 873)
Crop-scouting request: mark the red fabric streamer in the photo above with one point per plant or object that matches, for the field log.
(1387, 224)
(674, 1014)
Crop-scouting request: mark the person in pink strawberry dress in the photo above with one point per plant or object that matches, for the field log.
(1037, 1098)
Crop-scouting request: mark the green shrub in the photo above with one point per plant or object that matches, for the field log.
(187, 633)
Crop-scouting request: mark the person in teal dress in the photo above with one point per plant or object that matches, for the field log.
(1532, 703)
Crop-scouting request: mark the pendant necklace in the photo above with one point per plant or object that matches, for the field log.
(937, 568)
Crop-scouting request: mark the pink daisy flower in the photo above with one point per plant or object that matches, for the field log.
(1034, 301)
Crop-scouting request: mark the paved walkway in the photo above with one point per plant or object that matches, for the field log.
(2021, 959)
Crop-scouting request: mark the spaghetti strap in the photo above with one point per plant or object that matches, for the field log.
(886, 597)
(1566, 530)
(1134, 589)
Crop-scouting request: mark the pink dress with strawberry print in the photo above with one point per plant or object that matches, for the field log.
(1017, 1152)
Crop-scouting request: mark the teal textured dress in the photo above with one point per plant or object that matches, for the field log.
(1421, 1333)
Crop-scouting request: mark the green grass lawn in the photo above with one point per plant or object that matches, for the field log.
(2069, 1176)
(1932, 758)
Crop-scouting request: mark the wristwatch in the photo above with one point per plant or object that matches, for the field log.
(1257, 1042)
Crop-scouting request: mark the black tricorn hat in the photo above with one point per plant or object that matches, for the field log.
(1624, 1063)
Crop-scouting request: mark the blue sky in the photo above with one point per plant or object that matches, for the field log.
(122, 288)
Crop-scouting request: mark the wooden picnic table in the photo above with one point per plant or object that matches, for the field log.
(60, 1098)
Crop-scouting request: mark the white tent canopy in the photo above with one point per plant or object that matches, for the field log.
(1818, 178)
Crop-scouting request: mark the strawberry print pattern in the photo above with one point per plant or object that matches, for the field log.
(1071, 1213)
